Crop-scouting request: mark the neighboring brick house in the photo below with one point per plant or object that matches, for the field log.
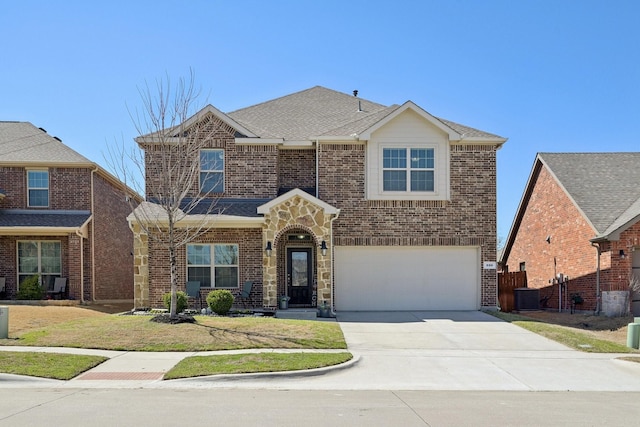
(331, 198)
(61, 215)
(579, 217)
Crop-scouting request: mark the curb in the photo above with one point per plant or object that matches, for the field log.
(261, 375)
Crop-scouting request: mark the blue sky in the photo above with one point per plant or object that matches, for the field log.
(552, 76)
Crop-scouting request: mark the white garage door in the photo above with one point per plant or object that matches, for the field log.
(407, 278)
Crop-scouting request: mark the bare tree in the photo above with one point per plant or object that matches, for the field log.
(165, 165)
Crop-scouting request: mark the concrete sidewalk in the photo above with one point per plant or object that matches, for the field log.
(392, 351)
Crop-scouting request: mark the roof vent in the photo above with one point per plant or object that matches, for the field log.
(43, 130)
(355, 92)
(55, 137)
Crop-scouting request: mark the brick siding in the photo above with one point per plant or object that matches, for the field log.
(468, 218)
(113, 243)
(549, 212)
(249, 243)
(70, 189)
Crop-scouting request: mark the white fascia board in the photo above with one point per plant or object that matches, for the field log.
(210, 221)
(259, 141)
(37, 231)
(222, 221)
(479, 141)
(341, 138)
(295, 144)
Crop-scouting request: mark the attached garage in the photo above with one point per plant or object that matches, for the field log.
(407, 278)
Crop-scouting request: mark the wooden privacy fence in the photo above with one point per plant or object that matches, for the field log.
(507, 282)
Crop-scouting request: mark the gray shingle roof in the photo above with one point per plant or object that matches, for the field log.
(22, 142)
(31, 218)
(228, 206)
(605, 186)
(319, 111)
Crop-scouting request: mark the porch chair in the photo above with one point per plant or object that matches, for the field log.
(3, 289)
(193, 291)
(59, 288)
(246, 292)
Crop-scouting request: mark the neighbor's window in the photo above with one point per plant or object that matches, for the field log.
(38, 188)
(408, 169)
(214, 266)
(523, 266)
(211, 171)
(42, 258)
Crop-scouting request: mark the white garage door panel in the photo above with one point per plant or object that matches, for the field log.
(406, 278)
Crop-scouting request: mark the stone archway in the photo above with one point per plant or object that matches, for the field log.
(297, 209)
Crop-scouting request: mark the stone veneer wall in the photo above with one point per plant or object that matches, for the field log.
(296, 213)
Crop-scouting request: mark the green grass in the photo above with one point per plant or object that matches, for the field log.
(564, 335)
(47, 365)
(138, 333)
(255, 362)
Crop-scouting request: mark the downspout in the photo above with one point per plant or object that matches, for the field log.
(79, 233)
(317, 169)
(597, 246)
(93, 240)
(333, 313)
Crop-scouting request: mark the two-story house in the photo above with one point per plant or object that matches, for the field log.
(328, 197)
(61, 215)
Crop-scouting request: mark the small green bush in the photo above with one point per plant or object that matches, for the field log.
(220, 301)
(182, 301)
(30, 289)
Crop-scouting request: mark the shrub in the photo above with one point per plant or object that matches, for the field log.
(30, 289)
(220, 301)
(182, 301)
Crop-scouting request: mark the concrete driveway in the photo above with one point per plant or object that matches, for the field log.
(467, 350)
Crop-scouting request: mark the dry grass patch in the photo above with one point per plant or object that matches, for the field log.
(138, 333)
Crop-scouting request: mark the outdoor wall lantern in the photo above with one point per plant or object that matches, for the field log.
(267, 250)
(323, 248)
(622, 255)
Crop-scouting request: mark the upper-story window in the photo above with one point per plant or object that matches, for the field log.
(38, 188)
(211, 171)
(406, 169)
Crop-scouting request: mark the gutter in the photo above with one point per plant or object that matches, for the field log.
(93, 242)
(333, 313)
(597, 246)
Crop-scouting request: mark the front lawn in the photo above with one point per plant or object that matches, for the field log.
(138, 333)
(255, 362)
(47, 365)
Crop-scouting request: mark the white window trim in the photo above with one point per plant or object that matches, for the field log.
(220, 171)
(39, 188)
(213, 264)
(408, 169)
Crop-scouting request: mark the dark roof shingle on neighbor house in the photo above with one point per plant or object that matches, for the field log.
(605, 186)
(23, 218)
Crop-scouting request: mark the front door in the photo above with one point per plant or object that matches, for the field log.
(299, 277)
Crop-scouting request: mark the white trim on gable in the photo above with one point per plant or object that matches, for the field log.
(408, 130)
(409, 105)
(328, 209)
(219, 114)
